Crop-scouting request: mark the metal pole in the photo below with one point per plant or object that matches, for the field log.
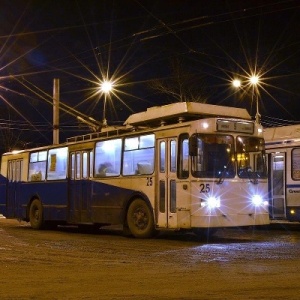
(56, 111)
(104, 121)
(257, 116)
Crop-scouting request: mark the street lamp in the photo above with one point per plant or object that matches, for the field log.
(236, 83)
(253, 81)
(106, 87)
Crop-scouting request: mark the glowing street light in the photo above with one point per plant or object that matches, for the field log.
(236, 83)
(253, 81)
(106, 87)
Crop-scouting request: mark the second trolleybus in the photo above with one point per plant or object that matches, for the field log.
(182, 166)
(283, 150)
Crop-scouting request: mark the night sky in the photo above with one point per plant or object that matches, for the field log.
(194, 46)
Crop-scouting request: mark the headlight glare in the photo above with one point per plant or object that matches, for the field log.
(257, 200)
(213, 202)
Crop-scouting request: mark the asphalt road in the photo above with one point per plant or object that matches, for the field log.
(67, 263)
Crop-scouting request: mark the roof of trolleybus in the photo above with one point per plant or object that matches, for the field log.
(186, 111)
(171, 114)
(282, 135)
(155, 117)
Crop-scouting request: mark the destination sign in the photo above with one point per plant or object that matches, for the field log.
(235, 126)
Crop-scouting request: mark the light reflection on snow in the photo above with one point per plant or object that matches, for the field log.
(240, 251)
(245, 252)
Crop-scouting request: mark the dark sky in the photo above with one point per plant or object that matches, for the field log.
(205, 43)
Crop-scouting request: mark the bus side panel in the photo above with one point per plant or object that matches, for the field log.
(108, 202)
(293, 201)
(53, 195)
(292, 186)
(3, 184)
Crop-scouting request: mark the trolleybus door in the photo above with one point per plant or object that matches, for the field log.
(166, 183)
(277, 185)
(14, 187)
(80, 186)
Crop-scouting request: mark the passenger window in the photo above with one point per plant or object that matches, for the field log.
(85, 165)
(183, 157)
(162, 157)
(138, 157)
(78, 165)
(14, 170)
(57, 163)
(108, 158)
(173, 156)
(296, 164)
(37, 166)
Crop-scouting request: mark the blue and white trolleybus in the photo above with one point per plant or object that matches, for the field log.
(182, 166)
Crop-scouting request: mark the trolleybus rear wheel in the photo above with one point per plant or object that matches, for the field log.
(140, 219)
(36, 214)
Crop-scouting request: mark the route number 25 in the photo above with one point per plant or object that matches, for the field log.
(204, 188)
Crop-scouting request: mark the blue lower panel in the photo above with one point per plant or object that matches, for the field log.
(53, 195)
(72, 201)
(3, 182)
(108, 203)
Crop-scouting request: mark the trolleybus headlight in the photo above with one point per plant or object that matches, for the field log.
(213, 202)
(257, 200)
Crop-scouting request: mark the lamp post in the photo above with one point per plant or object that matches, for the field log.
(254, 81)
(106, 87)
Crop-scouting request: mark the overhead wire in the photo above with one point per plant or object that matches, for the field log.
(170, 27)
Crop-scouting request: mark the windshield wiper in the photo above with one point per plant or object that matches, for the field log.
(223, 173)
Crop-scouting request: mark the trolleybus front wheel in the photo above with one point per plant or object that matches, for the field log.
(36, 214)
(140, 219)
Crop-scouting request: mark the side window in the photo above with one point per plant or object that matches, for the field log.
(296, 164)
(72, 166)
(78, 165)
(91, 163)
(138, 156)
(278, 175)
(14, 171)
(85, 165)
(183, 157)
(162, 156)
(37, 166)
(172, 156)
(108, 158)
(57, 163)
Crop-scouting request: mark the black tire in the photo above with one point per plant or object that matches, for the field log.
(36, 214)
(140, 219)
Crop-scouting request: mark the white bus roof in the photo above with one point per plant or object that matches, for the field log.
(187, 111)
(282, 132)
